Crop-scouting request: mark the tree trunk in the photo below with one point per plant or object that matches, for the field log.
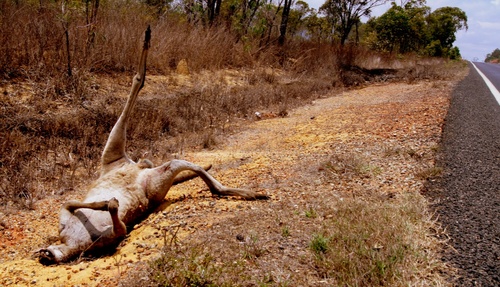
(284, 22)
(66, 34)
(91, 21)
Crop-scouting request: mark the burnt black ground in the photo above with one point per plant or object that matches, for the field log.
(467, 196)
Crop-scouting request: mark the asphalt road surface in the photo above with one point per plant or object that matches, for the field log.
(467, 195)
(492, 73)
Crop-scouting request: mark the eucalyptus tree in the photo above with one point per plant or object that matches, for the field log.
(401, 29)
(443, 24)
(345, 14)
(298, 18)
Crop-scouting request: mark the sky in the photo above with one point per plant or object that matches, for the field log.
(483, 18)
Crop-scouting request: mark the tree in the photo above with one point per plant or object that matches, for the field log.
(443, 23)
(454, 53)
(494, 57)
(318, 28)
(213, 7)
(344, 14)
(204, 11)
(91, 7)
(297, 18)
(240, 15)
(413, 28)
(401, 29)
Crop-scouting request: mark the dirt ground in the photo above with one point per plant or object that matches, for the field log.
(276, 156)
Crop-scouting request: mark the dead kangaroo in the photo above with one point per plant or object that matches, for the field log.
(125, 192)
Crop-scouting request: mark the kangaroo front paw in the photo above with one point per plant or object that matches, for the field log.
(113, 205)
(45, 257)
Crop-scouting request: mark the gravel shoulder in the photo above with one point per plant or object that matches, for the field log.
(467, 197)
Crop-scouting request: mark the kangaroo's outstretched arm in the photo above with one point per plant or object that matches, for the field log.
(114, 151)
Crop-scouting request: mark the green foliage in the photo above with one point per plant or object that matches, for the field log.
(311, 213)
(413, 28)
(444, 22)
(319, 244)
(493, 57)
(434, 49)
(296, 20)
(400, 29)
(454, 54)
(285, 231)
(318, 29)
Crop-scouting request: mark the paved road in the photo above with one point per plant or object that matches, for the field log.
(492, 73)
(467, 196)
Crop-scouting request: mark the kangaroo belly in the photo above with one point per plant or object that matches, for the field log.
(124, 184)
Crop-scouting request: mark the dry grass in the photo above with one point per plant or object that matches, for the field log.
(351, 163)
(363, 241)
(37, 50)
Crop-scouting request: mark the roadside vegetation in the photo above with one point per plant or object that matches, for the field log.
(493, 57)
(65, 67)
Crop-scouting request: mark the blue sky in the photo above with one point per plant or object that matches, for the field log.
(483, 35)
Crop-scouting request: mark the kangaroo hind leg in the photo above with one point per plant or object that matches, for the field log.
(165, 173)
(114, 151)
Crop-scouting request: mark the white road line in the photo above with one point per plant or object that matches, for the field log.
(493, 90)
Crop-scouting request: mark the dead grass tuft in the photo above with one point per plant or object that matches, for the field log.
(351, 164)
(429, 173)
(368, 242)
(181, 266)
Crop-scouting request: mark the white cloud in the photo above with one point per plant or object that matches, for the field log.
(495, 2)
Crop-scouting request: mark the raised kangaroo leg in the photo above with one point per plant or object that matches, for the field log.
(114, 151)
